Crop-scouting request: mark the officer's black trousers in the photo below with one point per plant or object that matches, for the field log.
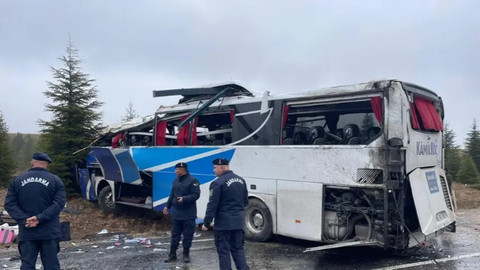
(227, 242)
(48, 253)
(187, 227)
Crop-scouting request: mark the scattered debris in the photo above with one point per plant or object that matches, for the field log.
(104, 231)
(15, 258)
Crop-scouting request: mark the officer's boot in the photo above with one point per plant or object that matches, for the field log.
(172, 256)
(186, 255)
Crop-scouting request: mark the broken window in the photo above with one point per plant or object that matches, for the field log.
(209, 128)
(336, 123)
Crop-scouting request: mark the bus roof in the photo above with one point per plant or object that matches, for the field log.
(248, 97)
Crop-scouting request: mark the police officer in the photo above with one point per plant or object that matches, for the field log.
(228, 198)
(185, 192)
(34, 200)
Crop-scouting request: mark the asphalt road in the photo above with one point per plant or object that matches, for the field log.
(460, 250)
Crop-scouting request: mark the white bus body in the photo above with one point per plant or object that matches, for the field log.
(349, 165)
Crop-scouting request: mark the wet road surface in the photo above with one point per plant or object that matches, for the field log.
(460, 250)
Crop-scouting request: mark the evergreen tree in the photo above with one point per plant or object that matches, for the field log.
(75, 121)
(27, 151)
(473, 144)
(130, 113)
(23, 147)
(17, 142)
(7, 163)
(468, 173)
(16, 145)
(452, 156)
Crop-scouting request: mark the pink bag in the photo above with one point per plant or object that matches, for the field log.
(6, 236)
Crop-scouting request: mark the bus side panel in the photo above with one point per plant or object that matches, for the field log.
(117, 165)
(305, 163)
(161, 162)
(430, 200)
(299, 210)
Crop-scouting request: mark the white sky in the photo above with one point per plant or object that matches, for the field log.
(133, 47)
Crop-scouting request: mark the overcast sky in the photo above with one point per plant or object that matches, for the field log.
(133, 47)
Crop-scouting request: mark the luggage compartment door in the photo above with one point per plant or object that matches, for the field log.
(432, 199)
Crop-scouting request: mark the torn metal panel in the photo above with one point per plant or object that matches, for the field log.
(345, 244)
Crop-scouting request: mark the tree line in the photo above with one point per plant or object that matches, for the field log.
(76, 121)
(463, 165)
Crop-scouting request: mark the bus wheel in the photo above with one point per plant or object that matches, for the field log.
(105, 201)
(258, 221)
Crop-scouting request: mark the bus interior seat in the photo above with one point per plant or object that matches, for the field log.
(316, 135)
(299, 138)
(146, 141)
(339, 132)
(351, 134)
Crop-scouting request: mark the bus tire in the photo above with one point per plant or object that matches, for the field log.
(105, 201)
(258, 221)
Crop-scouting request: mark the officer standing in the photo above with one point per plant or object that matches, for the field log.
(185, 192)
(34, 200)
(228, 198)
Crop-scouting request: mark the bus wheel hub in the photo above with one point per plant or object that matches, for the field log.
(258, 220)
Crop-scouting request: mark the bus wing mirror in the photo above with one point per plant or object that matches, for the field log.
(395, 142)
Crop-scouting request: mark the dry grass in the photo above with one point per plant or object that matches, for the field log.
(467, 197)
(86, 219)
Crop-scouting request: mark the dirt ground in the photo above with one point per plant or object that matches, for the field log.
(87, 219)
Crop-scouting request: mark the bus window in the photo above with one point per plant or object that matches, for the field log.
(214, 129)
(327, 124)
(424, 116)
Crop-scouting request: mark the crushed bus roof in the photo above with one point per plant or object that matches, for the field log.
(375, 85)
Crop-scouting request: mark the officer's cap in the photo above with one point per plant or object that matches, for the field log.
(220, 161)
(181, 165)
(42, 156)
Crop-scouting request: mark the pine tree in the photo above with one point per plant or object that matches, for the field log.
(7, 163)
(27, 151)
(75, 121)
(130, 113)
(452, 156)
(16, 145)
(468, 173)
(473, 144)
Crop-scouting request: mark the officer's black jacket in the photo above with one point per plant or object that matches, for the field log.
(36, 193)
(228, 198)
(187, 187)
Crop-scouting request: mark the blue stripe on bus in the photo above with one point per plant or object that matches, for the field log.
(151, 157)
(201, 168)
(129, 169)
(108, 162)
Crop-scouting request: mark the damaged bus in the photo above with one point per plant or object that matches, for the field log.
(351, 165)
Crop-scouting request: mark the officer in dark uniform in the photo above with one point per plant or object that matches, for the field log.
(228, 198)
(34, 200)
(185, 192)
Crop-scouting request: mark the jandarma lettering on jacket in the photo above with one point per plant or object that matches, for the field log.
(35, 180)
(233, 180)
